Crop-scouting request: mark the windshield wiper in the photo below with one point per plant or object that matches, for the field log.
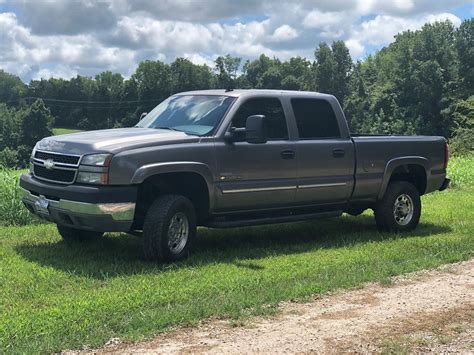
(168, 128)
(177, 130)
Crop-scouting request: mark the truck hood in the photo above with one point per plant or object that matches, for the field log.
(112, 140)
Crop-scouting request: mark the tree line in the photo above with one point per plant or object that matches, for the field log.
(422, 83)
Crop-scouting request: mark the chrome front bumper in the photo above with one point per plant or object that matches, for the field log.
(82, 215)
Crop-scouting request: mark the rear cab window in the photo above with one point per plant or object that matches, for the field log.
(315, 119)
(271, 108)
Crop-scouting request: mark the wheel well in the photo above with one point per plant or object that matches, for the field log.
(412, 173)
(189, 184)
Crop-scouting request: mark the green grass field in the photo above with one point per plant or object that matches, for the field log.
(58, 131)
(57, 296)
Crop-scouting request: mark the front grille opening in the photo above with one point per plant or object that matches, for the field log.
(57, 158)
(64, 176)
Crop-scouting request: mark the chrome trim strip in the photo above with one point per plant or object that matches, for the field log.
(276, 188)
(259, 189)
(57, 166)
(309, 186)
(49, 152)
(63, 154)
(123, 211)
(37, 160)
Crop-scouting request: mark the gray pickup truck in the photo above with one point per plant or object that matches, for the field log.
(230, 158)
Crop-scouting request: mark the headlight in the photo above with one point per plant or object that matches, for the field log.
(97, 175)
(86, 177)
(97, 159)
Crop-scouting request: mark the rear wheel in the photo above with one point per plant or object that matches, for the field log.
(169, 229)
(400, 208)
(77, 235)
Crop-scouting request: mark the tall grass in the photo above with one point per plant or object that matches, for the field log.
(12, 211)
(461, 171)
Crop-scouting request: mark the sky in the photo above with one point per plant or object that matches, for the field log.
(64, 38)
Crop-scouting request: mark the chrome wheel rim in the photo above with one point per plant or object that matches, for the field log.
(178, 233)
(403, 209)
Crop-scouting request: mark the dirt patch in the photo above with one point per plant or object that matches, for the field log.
(422, 312)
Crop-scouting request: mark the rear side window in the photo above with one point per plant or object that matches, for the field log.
(315, 119)
(274, 116)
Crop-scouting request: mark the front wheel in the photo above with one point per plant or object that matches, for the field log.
(169, 229)
(400, 208)
(77, 235)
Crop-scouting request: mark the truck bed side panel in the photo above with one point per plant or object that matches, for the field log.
(378, 156)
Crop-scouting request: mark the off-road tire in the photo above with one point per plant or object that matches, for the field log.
(77, 235)
(384, 210)
(156, 228)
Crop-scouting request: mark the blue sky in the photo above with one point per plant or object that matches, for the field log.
(54, 38)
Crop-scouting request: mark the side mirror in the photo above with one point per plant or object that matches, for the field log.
(255, 131)
(143, 115)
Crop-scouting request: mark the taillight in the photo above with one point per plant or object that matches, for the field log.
(446, 155)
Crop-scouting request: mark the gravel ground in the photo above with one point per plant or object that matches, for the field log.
(428, 311)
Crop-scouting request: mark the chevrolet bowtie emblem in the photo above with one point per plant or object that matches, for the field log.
(49, 164)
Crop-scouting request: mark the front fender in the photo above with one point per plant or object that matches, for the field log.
(148, 170)
(400, 161)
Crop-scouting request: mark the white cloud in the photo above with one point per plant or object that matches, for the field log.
(284, 33)
(382, 29)
(318, 19)
(355, 48)
(90, 37)
(61, 71)
(443, 17)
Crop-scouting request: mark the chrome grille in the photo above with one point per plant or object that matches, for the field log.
(58, 158)
(55, 167)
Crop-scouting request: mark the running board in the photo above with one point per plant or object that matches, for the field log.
(271, 220)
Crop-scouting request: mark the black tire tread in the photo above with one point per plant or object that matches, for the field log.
(156, 220)
(383, 211)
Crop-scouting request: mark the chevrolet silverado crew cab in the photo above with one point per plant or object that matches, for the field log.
(220, 158)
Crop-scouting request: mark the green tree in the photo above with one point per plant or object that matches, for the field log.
(465, 52)
(342, 70)
(188, 76)
(36, 123)
(8, 158)
(463, 122)
(154, 83)
(255, 69)
(324, 68)
(12, 89)
(226, 68)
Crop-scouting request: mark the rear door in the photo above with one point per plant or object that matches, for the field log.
(254, 176)
(325, 158)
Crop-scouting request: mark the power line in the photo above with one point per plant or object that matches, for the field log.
(87, 101)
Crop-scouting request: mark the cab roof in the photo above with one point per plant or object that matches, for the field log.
(255, 92)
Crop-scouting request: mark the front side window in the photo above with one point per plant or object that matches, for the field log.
(272, 110)
(315, 119)
(191, 114)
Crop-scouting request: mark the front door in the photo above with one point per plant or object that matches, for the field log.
(253, 176)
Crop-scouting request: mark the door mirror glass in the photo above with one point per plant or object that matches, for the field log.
(255, 129)
(143, 115)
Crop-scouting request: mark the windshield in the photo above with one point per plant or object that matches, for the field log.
(192, 114)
